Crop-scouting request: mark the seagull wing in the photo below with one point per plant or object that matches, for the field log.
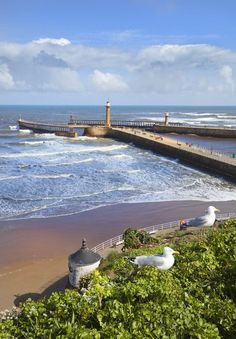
(158, 260)
(199, 221)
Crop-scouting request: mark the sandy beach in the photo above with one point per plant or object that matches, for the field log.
(34, 252)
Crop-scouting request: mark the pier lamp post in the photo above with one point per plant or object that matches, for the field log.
(108, 114)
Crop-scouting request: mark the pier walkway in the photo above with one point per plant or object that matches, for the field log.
(160, 138)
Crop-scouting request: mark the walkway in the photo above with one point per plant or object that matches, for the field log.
(223, 157)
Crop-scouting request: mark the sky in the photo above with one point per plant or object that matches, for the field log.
(141, 52)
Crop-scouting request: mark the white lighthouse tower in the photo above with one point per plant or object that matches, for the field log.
(108, 114)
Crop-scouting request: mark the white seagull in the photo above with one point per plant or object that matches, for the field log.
(162, 261)
(206, 220)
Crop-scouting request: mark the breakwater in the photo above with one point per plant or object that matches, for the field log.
(213, 162)
(39, 127)
(215, 132)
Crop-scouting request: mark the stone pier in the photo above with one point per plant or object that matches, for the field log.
(213, 162)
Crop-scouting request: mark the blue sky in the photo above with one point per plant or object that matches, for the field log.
(134, 51)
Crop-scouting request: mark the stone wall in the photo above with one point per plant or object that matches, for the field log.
(96, 131)
(202, 131)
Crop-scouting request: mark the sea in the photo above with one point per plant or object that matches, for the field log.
(43, 175)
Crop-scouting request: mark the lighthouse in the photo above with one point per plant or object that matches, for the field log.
(108, 114)
(166, 119)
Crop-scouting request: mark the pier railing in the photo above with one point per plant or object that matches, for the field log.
(142, 123)
(47, 127)
(118, 240)
(114, 123)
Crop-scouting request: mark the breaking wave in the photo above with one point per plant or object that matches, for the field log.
(59, 176)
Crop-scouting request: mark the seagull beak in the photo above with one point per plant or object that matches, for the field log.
(176, 252)
(217, 210)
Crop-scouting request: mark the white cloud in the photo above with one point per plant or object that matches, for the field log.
(59, 42)
(159, 73)
(6, 79)
(62, 80)
(227, 73)
(108, 81)
(188, 55)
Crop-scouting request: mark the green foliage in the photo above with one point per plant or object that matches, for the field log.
(136, 238)
(194, 299)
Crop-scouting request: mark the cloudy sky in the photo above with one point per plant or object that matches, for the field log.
(131, 51)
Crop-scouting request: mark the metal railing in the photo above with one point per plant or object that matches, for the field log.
(114, 123)
(118, 240)
(86, 122)
(43, 126)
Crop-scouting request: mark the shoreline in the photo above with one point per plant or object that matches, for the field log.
(34, 252)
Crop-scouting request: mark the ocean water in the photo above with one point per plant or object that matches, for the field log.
(42, 175)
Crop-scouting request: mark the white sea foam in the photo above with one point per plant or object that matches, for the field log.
(47, 135)
(11, 177)
(30, 213)
(13, 128)
(82, 138)
(117, 170)
(148, 118)
(68, 151)
(25, 131)
(68, 163)
(197, 114)
(227, 117)
(133, 171)
(33, 143)
(121, 156)
(56, 176)
(206, 119)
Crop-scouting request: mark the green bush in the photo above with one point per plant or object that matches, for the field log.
(136, 238)
(194, 299)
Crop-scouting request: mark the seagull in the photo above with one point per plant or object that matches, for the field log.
(162, 261)
(206, 220)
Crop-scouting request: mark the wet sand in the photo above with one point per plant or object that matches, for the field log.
(33, 252)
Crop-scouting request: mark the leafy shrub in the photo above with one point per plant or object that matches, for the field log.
(195, 299)
(136, 238)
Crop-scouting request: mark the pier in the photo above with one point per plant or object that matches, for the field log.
(40, 127)
(151, 136)
(216, 163)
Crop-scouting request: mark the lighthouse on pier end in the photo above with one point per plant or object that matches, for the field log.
(108, 114)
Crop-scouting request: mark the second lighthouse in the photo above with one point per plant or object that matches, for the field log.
(108, 114)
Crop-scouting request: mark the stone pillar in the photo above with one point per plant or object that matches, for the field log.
(108, 114)
(166, 119)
